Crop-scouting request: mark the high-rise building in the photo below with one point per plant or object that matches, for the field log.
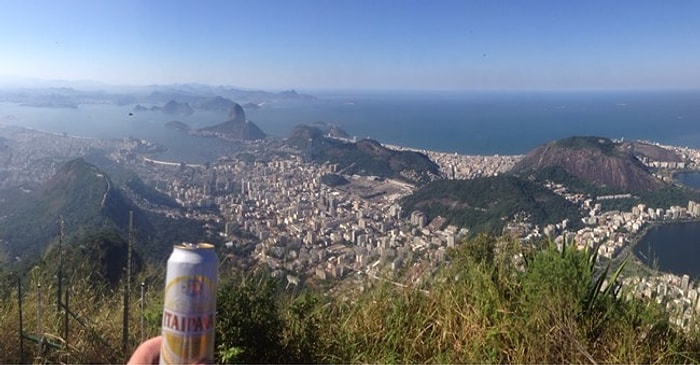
(418, 218)
(685, 282)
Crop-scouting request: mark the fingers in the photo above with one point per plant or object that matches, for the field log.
(148, 352)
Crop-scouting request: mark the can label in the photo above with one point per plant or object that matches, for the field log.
(189, 307)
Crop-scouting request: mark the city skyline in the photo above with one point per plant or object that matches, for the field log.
(361, 45)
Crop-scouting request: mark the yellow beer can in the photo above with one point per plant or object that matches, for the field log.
(190, 305)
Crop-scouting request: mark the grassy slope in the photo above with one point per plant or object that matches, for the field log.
(478, 309)
(483, 311)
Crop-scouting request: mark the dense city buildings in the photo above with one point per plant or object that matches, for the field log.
(302, 229)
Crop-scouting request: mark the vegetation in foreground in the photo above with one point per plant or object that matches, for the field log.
(493, 303)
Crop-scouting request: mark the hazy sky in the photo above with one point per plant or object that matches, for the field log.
(333, 44)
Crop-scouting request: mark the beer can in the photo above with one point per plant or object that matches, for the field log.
(190, 305)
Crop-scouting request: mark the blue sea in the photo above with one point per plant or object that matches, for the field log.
(498, 123)
(468, 123)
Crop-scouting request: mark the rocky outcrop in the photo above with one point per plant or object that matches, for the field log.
(596, 160)
(236, 128)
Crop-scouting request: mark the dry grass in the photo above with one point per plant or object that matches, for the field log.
(491, 313)
(94, 330)
(479, 309)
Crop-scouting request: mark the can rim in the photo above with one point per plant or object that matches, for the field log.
(194, 246)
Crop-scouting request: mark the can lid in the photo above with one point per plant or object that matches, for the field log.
(195, 246)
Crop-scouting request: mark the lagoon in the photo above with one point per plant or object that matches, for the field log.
(672, 247)
(688, 178)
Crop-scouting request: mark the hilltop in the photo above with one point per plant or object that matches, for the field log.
(595, 160)
(236, 128)
(365, 157)
(330, 130)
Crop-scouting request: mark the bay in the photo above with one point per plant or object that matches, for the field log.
(115, 122)
(475, 123)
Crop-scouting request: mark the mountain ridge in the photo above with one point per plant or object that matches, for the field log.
(86, 199)
(78, 193)
(364, 157)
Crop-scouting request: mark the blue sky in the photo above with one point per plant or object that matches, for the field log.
(334, 44)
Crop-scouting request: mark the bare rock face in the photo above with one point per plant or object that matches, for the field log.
(594, 159)
(236, 113)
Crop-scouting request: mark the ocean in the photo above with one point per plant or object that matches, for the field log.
(498, 123)
(474, 123)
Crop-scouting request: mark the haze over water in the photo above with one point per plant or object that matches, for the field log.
(467, 123)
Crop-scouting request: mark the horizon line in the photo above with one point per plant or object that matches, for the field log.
(11, 81)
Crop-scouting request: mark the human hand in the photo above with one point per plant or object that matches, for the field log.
(148, 352)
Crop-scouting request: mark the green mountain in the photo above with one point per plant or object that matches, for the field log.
(88, 201)
(365, 157)
(330, 130)
(486, 204)
(80, 193)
